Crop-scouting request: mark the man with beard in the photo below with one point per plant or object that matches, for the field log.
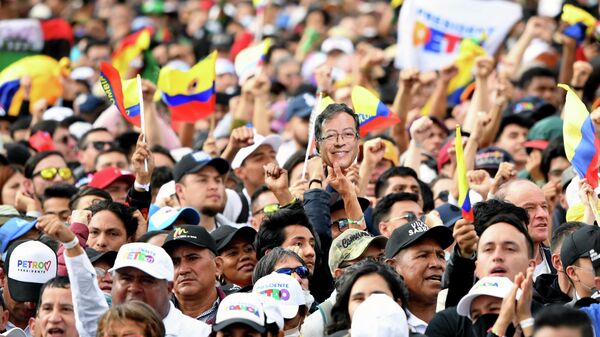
(199, 184)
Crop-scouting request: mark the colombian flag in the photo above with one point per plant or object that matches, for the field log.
(468, 51)
(123, 94)
(372, 113)
(8, 90)
(464, 202)
(250, 59)
(581, 143)
(191, 94)
(581, 23)
(131, 47)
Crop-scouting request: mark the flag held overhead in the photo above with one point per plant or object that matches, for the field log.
(464, 202)
(372, 113)
(123, 94)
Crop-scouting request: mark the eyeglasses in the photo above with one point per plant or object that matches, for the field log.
(409, 217)
(301, 271)
(333, 137)
(100, 145)
(268, 209)
(100, 272)
(443, 196)
(341, 224)
(50, 172)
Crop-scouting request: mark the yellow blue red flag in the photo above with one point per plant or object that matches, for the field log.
(581, 23)
(250, 59)
(464, 202)
(372, 113)
(190, 94)
(122, 93)
(581, 143)
(132, 46)
(468, 51)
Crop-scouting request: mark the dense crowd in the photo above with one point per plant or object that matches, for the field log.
(458, 206)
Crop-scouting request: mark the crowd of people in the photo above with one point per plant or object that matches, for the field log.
(270, 217)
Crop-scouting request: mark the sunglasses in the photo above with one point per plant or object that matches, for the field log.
(301, 271)
(341, 224)
(443, 196)
(409, 216)
(100, 145)
(268, 209)
(49, 173)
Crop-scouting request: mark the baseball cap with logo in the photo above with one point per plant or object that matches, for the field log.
(109, 175)
(195, 235)
(30, 265)
(194, 162)
(490, 158)
(578, 244)
(531, 107)
(150, 259)
(283, 289)
(14, 229)
(411, 233)
(494, 286)
(350, 245)
(241, 308)
(272, 140)
(166, 216)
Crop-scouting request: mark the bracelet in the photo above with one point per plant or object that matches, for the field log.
(293, 201)
(138, 186)
(526, 323)
(357, 222)
(315, 181)
(71, 244)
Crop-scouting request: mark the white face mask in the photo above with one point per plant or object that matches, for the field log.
(295, 332)
(308, 298)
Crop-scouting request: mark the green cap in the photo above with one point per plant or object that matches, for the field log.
(350, 245)
(548, 129)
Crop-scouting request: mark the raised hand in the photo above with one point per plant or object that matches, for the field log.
(506, 172)
(276, 178)
(52, 226)
(420, 130)
(466, 237)
(373, 152)
(484, 65)
(479, 181)
(142, 153)
(241, 137)
(340, 182)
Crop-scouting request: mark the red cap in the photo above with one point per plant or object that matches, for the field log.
(539, 144)
(443, 157)
(109, 175)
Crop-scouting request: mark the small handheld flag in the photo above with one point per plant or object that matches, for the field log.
(372, 113)
(250, 59)
(581, 23)
(464, 202)
(123, 94)
(131, 47)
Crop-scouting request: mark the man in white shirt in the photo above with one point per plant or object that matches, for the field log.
(142, 272)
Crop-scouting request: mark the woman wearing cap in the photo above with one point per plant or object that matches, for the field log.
(359, 282)
(237, 256)
(133, 318)
(248, 315)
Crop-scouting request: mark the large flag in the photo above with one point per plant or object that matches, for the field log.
(190, 94)
(131, 47)
(581, 143)
(372, 113)
(464, 202)
(248, 61)
(581, 23)
(469, 50)
(122, 93)
(430, 31)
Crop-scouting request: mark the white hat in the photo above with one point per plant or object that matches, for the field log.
(273, 140)
(150, 259)
(380, 308)
(224, 66)
(340, 43)
(284, 289)
(82, 73)
(30, 265)
(166, 190)
(79, 128)
(167, 215)
(494, 286)
(14, 332)
(57, 113)
(241, 308)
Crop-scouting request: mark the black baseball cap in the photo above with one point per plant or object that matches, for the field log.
(95, 255)
(336, 202)
(224, 234)
(411, 233)
(193, 234)
(194, 162)
(579, 243)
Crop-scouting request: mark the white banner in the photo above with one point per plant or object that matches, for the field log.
(430, 31)
(21, 35)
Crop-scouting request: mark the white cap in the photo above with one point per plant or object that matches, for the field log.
(57, 113)
(380, 308)
(78, 129)
(150, 259)
(224, 66)
(30, 264)
(494, 286)
(166, 190)
(14, 332)
(273, 140)
(40, 11)
(284, 289)
(241, 308)
(340, 43)
(82, 73)
(167, 215)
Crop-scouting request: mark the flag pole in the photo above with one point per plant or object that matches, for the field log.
(311, 132)
(142, 117)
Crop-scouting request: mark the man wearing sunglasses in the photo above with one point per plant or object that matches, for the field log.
(396, 210)
(90, 145)
(43, 170)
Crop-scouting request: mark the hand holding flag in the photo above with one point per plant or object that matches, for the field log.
(464, 201)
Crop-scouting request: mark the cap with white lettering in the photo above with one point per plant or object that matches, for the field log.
(413, 232)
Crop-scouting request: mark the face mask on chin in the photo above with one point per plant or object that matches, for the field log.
(295, 332)
(486, 322)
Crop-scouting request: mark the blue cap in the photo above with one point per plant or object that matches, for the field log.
(449, 214)
(166, 216)
(301, 106)
(14, 229)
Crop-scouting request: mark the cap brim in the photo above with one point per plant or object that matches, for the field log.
(24, 291)
(229, 322)
(172, 244)
(539, 144)
(109, 257)
(247, 232)
(188, 214)
(14, 332)
(441, 234)
(289, 311)
(220, 164)
(339, 204)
